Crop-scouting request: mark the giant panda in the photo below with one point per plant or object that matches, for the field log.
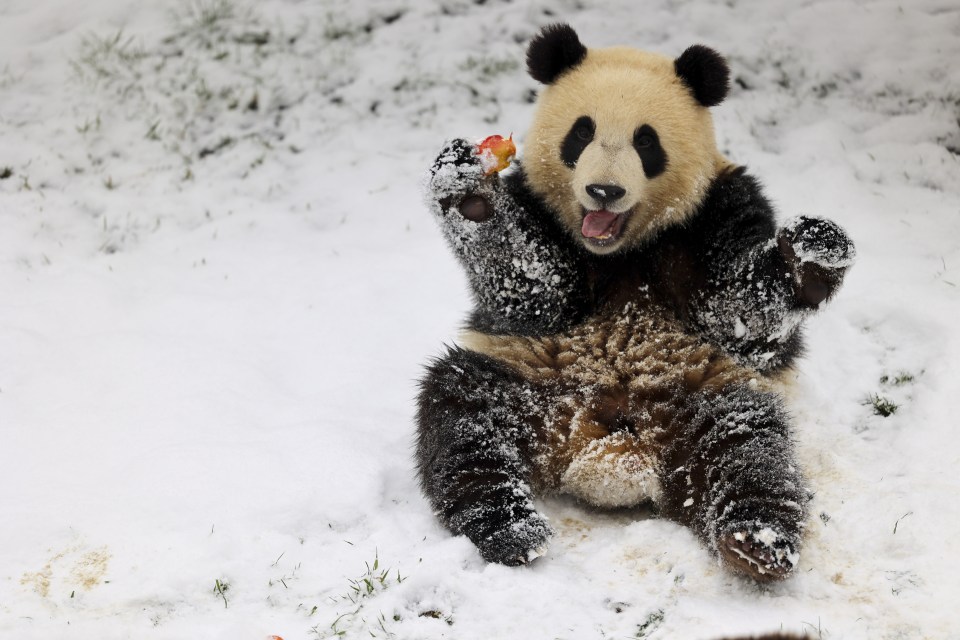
(633, 298)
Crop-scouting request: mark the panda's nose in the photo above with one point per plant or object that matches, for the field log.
(605, 193)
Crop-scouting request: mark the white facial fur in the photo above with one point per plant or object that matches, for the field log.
(609, 159)
(621, 89)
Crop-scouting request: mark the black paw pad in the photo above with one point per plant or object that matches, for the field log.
(763, 555)
(475, 208)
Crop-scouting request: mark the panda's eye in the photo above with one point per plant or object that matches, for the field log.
(650, 149)
(577, 139)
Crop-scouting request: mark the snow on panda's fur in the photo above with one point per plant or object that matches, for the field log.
(632, 292)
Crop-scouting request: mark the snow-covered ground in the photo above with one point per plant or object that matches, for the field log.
(218, 286)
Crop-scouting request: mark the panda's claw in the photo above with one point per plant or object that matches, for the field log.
(757, 556)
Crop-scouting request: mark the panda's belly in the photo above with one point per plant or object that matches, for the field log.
(608, 396)
(636, 350)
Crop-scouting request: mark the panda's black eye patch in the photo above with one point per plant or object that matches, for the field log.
(652, 155)
(580, 135)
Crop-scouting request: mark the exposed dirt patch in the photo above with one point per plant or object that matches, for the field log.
(76, 567)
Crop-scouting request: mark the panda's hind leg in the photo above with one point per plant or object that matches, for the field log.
(476, 420)
(729, 473)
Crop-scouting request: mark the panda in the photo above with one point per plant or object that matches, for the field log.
(634, 298)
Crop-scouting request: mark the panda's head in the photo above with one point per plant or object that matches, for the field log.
(622, 142)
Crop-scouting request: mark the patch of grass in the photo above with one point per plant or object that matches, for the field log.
(488, 67)
(432, 613)
(361, 591)
(89, 125)
(651, 624)
(895, 384)
(897, 380)
(336, 27)
(897, 523)
(818, 629)
(283, 578)
(223, 143)
(373, 581)
(220, 587)
(903, 581)
(152, 132)
(206, 15)
(214, 81)
(207, 23)
(108, 58)
(881, 406)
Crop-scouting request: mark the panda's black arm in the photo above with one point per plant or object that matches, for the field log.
(525, 276)
(753, 284)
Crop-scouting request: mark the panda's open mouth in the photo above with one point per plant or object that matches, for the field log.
(602, 228)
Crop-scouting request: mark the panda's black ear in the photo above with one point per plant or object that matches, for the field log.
(552, 51)
(705, 72)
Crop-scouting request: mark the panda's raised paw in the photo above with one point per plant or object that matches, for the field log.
(457, 170)
(459, 184)
(818, 253)
(518, 543)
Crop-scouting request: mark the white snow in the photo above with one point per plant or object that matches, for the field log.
(208, 365)
(739, 328)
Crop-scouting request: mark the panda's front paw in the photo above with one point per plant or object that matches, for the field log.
(760, 553)
(818, 253)
(518, 543)
(458, 182)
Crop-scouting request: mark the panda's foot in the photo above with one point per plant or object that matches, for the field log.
(762, 554)
(818, 253)
(518, 543)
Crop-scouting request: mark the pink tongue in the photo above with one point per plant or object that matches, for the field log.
(597, 223)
